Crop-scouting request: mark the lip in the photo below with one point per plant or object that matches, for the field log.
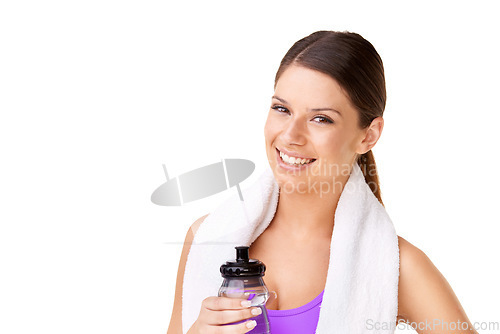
(283, 165)
(291, 154)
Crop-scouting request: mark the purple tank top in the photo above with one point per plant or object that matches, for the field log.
(303, 319)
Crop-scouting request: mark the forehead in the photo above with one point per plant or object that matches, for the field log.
(302, 85)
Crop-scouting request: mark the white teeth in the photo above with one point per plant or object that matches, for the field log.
(293, 160)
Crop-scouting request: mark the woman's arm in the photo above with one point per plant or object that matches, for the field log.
(425, 298)
(175, 326)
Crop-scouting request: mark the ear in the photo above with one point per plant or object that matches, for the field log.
(371, 135)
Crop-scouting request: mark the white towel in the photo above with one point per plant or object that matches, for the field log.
(361, 291)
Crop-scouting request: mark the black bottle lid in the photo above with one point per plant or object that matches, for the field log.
(243, 266)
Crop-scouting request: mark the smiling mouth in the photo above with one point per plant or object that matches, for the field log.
(296, 161)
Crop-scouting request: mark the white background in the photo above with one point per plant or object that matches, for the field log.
(97, 95)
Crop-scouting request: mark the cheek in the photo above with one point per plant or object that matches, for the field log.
(348, 148)
(330, 145)
(271, 129)
(335, 147)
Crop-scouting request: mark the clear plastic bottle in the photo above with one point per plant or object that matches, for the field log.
(243, 279)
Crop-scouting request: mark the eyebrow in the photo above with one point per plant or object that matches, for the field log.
(312, 110)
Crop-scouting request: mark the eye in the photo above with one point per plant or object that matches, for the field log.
(279, 108)
(325, 119)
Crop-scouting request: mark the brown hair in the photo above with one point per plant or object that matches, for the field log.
(355, 64)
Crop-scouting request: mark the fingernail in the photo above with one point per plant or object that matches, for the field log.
(251, 324)
(256, 311)
(246, 303)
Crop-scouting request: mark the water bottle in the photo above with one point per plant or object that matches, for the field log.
(243, 279)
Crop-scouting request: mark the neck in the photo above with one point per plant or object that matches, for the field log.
(307, 215)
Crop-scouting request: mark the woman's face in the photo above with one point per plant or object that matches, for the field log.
(311, 117)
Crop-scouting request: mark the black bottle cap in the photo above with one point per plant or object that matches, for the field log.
(243, 266)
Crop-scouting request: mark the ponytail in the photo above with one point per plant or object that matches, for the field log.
(369, 168)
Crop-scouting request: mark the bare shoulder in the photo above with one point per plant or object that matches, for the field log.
(424, 295)
(412, 258)
(175, 326)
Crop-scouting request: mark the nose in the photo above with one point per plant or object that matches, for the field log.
(294, 132)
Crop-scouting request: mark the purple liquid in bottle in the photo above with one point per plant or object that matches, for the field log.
(245, 276)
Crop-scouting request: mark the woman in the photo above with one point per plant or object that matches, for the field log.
(326, 111)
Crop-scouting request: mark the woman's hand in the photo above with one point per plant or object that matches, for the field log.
(218, 311)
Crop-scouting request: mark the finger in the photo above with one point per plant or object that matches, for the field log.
(249, 325)
(225, 303)
(244, 327)
(230, 316)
